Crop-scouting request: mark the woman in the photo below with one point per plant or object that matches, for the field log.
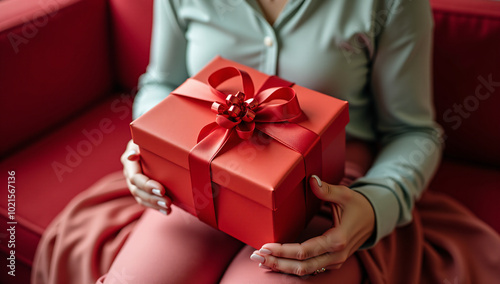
(374, 54)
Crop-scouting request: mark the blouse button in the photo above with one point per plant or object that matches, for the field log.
(268, 41)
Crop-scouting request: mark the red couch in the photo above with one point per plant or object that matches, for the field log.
(68, 69)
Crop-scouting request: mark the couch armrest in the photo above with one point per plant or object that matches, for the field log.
(467, 77)
(54, 62)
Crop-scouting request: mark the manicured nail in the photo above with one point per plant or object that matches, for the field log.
(164, 212)
(162, 204)
(257, 258)
(265, 251)
(320, 184)
(264, 267)
(157, 192)
(131, 153)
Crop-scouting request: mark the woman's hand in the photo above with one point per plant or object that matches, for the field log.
(354, 222)
(146, 191)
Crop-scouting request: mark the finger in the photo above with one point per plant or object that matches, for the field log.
(132, 155)
(332, 193)
(131, 168)
(149, 200)
(148, 185)
(150, 191)
(330, 241)
(336, 214)
(299, 267)
(264, 267)
(308, 249)
(155, 188)
(165, 211)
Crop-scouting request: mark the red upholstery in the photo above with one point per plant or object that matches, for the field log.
(131, 27)
(60, 165)
(47, 73)
(70, 159)
(467, 77)
(61, 111)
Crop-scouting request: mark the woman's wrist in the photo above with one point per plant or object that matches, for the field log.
(367, 218)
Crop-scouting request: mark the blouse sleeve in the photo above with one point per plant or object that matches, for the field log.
(410, 139)
(167, 65)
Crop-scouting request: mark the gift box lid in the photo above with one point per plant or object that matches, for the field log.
(260, 168)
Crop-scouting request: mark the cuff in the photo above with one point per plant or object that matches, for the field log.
(386, 208)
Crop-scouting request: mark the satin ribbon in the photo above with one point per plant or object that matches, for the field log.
(241, 114)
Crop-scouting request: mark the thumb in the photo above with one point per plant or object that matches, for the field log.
(133, 155)
(338, 194)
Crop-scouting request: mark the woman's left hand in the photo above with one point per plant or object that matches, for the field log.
(354, 222)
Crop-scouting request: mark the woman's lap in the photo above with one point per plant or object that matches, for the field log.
(180, 249)
(172, 249)
(443, 243)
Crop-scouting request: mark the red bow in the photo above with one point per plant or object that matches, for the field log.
(242, 110)
(237, 112)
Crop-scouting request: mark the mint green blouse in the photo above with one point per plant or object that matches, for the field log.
(375, 54)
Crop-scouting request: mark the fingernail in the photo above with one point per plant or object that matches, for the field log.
(264, 267)
(131, 153)
(265, 251)
(164, 212)
(257, 258)
(162, 204)
(157, 192)
(320, 184)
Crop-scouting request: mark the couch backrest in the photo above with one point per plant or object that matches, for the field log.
(54, 62)
(467, 77)
(131, 23)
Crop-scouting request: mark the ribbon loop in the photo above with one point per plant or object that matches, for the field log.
(226, 122)
(220, 76)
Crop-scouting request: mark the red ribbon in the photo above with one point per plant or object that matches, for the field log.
(242, 113)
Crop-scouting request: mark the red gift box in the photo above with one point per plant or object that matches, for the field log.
(244, 169)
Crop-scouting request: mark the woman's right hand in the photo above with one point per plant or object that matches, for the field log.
(147, 192)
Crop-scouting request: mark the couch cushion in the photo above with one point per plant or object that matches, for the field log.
(60, 165)
(54, 61)
(467, 77)
(475, 186)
